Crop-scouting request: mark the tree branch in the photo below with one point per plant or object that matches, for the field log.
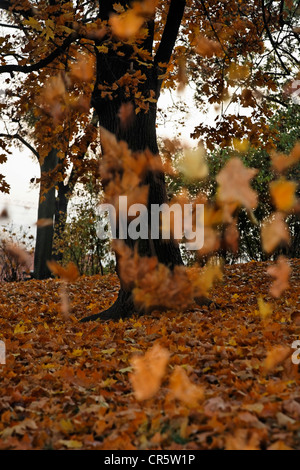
(170, 33)
(23, 141)
(269, 34)
(43, 62)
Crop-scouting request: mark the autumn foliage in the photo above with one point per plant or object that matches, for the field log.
(176, 370)
(202, 379)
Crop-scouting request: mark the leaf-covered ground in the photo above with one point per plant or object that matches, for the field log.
(67, 385)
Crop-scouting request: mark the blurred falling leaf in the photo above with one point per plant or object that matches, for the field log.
(126, 114)
(207, 48)
(281, 162)
(4, 214)
(69, 274)
(44, 223)
(184, 390)
(283, 193)
(238, 72)
(19, 254)
(276, 356)
(149, 371)
(126, 25)
(194, 165)
(234, 181)
(274, 231)
(265, 309)
(83, 68)
(281, 272)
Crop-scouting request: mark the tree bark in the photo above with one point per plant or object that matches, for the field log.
(46, 210)
(61, 210)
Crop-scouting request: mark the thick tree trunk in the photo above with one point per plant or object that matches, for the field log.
(46, 210)
(140, 134)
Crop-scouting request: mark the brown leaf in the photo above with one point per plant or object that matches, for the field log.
(281, 272)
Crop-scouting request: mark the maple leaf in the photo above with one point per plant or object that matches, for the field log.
(184, 390)
(274, 231)
(69, 274)
(234, 184)
(281, 272)
(149, 372)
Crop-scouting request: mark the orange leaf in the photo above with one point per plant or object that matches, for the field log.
(283, 194)
(70, 273)
(148, 372)
(184, 390)
(281, 272)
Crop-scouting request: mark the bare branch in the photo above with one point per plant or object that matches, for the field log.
(269, 34)
(43, 62)
(23, 141)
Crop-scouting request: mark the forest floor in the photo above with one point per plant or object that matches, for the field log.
(68, 385)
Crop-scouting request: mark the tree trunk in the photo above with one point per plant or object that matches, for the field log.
(141, 133)
(46, 210)
(61, 210)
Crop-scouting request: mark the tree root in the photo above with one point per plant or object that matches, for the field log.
(124, 308)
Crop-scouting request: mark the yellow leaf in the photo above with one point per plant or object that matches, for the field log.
(72, 444)
(33, 23)
(283, 194)
(265, 309)
(109, 352)
(20, 328)
(103, 49)
(194, 165)
(241, 146)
